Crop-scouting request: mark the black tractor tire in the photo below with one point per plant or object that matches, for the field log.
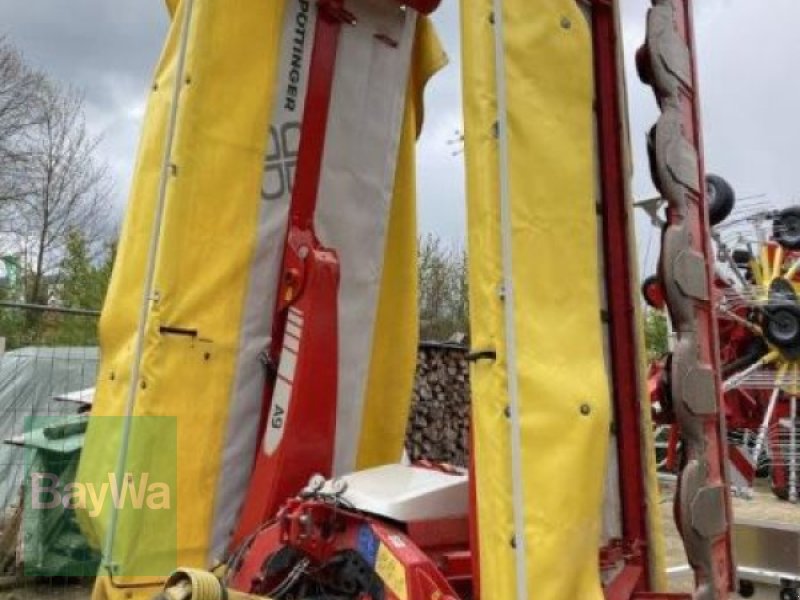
(644, 67)
(786, 228)
(651, 158)
(780, 492)
(742, 257)
(747, 588)
(653, 292)
(790, 594)
(721, 199)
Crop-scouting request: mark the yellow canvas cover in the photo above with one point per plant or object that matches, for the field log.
(196, 347)
(552, 291)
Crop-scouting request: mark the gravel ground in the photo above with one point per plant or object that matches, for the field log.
(48, 590)
(763, 506)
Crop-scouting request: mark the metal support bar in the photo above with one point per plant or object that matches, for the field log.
(793, 491)
(508, 303)
(666, 62)
(620, 293)
(64, 310)
(763, 431)
(307, 275)
(149, 292)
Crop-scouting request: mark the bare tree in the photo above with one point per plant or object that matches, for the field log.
(64, 187)
(19, 111)
(443, 293)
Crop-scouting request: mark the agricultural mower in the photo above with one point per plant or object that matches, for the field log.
(758, 314)
(411, 532)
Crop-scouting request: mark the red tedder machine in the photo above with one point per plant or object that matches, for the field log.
(758, 314)
(402, 532)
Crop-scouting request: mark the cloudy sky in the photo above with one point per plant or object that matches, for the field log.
(748, 57)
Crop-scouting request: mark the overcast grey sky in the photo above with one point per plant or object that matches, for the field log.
(748, 65)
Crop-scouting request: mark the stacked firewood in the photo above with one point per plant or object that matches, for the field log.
(438, 427)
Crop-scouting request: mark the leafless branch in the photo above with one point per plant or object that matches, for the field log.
(51, 182)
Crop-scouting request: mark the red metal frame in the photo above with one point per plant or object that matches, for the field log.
(320, 529)
(308, 283)
(702, 495)
(629, 553)
(744, 408)
(433, 556)
(623, 332)
(423, 6)
(474, 538)
(304, 421)
(707, 334)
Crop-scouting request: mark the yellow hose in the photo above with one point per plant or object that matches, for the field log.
(196, 584)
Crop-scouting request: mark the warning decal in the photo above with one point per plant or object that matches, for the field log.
(392, 572)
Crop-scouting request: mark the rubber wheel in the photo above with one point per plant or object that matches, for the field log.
(651, 158)
(746, 588)
(780, 492)
(790, 594)
(643, 65)
(786, 228)
(742, 257)
(721, 199)
(653, 292)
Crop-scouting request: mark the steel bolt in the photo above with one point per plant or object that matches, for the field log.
(339, 486)
(316, 483)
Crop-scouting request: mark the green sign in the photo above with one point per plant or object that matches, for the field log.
(67, 518)
(11, 264)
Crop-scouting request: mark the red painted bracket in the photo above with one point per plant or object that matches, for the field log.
(423, 6)
(620, 292)
(298, 416)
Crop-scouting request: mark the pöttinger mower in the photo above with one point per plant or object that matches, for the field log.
(411, 532)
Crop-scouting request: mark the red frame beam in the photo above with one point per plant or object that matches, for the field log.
(621, 294)
(280, 474)
(708, 334)
(667, 62)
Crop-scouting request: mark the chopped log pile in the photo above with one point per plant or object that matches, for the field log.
(438, 427)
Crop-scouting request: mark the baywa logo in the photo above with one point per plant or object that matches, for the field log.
(75, 502)
(49, 492)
